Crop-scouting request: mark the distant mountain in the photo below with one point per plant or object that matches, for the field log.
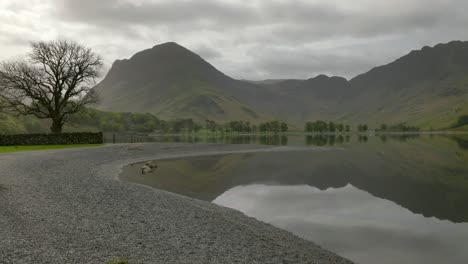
(303, 100)
(172, 82)
(428, 87)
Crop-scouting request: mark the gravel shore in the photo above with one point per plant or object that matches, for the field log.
(67, 206)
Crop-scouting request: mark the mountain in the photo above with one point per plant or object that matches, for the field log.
(427, 87)
(172, 82)
(301, 100)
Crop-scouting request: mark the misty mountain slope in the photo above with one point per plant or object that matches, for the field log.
(172, 82)
(301, 100)
(427, 87)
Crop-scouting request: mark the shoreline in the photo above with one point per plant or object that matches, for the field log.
(297, 133)
(76, 209)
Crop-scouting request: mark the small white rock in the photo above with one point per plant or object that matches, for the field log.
(145, 170)
(152, 164)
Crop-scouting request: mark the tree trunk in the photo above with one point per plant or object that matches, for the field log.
(56, 127)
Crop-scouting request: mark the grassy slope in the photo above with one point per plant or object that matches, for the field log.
(428, 88)
(425, 111)
(10, 124)
(187, 99)
(88, 121)
(24, 125)
(172, 82)
(203, 102)
(420, 106)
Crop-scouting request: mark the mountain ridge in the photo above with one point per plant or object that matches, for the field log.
(426, 87)
(172, 82)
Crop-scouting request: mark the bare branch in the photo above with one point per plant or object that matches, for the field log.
(54, 82)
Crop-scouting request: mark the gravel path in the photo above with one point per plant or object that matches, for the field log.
(67, 206)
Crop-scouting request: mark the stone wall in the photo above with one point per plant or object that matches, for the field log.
(51, 139)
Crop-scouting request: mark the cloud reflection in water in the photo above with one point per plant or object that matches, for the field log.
(353, 223)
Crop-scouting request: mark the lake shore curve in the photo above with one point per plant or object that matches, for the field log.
(68, 206)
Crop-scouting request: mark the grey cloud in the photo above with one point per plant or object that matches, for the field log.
(207, 52)
(114, 13)
(9, 38)
(247, 38)
(305, 18)
(297, 63)
(311, 23)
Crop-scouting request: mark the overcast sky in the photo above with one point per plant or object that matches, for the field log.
(246, 39)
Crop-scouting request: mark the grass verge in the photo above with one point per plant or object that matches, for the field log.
(10, 149)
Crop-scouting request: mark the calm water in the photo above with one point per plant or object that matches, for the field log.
(371, 199)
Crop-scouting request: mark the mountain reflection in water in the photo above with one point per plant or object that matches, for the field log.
(373, 200)
(348, 220)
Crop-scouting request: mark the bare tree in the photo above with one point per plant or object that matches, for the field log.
(54, 81)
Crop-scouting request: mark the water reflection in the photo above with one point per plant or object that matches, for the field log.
(263, 139)
(326, 140)
(376, 199)
(354, 223)
(427, 176)
(462, 142)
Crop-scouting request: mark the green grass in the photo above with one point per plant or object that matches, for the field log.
(10, 149)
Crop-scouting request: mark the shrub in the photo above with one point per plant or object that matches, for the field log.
(462, 120)
(51, 139)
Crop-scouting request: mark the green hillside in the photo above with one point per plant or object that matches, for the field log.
(10, 124)
(89, 120)
(172, 82)
(426, 88)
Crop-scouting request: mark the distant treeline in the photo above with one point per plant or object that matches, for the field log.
(133, 122)
(95, 120)
(116, 122)
(323, 126)
(246, 127)
(147, 123)
(402, 127)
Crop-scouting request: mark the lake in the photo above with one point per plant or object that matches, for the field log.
(372, 199)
